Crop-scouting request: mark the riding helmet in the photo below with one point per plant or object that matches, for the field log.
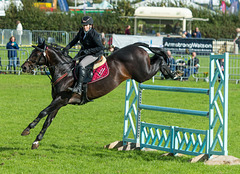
(87, 20)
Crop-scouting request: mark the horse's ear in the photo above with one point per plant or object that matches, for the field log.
(41, 43)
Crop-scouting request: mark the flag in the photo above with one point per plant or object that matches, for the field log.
(223, 7)
(84, 7)
(210, 4)
(233, 9)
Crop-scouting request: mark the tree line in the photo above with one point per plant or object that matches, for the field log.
(32, 18)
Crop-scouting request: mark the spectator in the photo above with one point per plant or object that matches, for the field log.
(197, 33)
(112, 49)
(103, 35)
(176, 28)
(171, 61)
(236, 41)
(12, 46)
(221, 63)
(103, 41)
(158, 34)
(238, 34)
(193, 65)
(187, 34)
(105, 49)
(127, 30)
(168, 28)
(110, 41)
(19, 32)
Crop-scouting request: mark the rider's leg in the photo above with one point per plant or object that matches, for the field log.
(81, 75)
(82, 72)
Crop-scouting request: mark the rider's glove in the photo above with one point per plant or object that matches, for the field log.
(86, 51)
(65, 51)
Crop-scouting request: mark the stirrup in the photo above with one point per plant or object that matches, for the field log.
(73, 90)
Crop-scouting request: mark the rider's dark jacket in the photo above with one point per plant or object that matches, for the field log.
(90, 45)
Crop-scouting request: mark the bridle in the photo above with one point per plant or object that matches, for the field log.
(43, 55)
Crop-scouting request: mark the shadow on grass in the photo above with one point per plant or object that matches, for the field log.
(2, 149)
(100, 152)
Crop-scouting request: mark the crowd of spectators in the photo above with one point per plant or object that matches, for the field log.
(186, 68)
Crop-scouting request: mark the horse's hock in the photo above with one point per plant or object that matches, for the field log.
(207, 145)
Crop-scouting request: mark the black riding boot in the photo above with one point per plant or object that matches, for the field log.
(81, 75)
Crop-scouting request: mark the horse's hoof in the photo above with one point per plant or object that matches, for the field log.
(26, 132)
(35, 145)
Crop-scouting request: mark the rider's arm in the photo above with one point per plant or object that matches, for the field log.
(74, 41)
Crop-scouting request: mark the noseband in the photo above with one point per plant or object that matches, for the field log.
(42, 56)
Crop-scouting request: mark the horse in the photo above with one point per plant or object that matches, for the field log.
(130, 62)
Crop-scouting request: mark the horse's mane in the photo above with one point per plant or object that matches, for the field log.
(57, 48)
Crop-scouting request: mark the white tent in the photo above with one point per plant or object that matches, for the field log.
(104, 5)
(162, 13)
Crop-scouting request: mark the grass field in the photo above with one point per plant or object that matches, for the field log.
(74, 141)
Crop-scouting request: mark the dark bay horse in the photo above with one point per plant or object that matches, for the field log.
(130, 62)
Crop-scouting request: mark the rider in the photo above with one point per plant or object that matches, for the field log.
(91, 49)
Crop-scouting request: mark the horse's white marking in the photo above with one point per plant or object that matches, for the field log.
(35, 142)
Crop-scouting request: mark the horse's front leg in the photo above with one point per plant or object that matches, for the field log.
(53, 108)
(56, 104)
(41, 115)
(46, 124)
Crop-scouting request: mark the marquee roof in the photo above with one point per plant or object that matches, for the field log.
(163, 12)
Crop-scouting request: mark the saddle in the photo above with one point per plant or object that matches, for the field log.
(100, 62)
(90, 70)
(94, 72)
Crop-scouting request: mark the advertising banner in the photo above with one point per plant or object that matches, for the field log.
(180, 45)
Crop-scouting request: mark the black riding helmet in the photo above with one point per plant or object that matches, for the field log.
(87, 20)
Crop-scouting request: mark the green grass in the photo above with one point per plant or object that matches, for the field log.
(74, 141)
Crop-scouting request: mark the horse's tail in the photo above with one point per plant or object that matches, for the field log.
(155, 50)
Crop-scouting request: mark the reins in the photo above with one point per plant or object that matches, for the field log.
(59, 79)
(56, 81)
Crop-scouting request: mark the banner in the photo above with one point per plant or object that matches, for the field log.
(121, 41)
(180, 45)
